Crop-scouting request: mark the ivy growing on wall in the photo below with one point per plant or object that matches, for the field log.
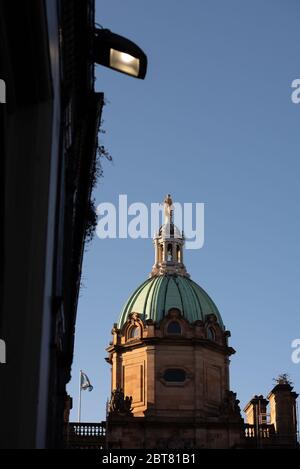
(96, 173)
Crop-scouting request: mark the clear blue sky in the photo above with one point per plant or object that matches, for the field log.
(213, 122)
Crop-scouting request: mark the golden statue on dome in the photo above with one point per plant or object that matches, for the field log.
(168, 209)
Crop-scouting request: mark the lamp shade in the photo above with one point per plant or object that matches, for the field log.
(121, 54)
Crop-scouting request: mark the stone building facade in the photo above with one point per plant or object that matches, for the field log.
(178, 379)
(169, 359)
(170, 356)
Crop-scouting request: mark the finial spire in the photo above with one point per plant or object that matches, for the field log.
(168, 245)
(168, 209)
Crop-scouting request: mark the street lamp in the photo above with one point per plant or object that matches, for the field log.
(121, 54)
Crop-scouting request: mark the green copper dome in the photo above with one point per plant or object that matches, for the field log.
(153, 299)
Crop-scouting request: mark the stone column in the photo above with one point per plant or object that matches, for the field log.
(283, 412)
(181, 252)
(156, 247)
(165, 251)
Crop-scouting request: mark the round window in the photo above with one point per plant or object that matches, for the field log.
(174, 375)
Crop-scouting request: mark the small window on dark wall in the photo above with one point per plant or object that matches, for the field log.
(174, 328)
(174, 375)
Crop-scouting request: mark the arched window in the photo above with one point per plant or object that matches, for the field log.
(169, 253)
(174, 328)
(174, 375)
(134, 332)
(211, 335)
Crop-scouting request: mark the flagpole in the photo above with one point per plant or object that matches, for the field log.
(106, 423)
(79, 398)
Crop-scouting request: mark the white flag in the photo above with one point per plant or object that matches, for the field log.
(85, 382)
